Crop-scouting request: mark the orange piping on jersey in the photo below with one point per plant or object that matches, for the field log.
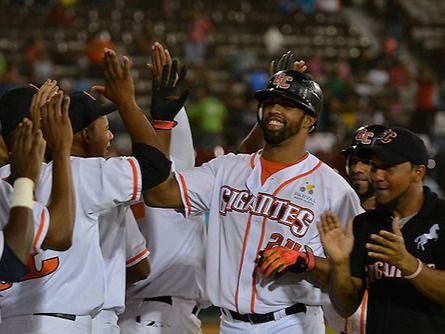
(246, 235)
(186, 196)
(39, 232)
(138, 210)
(364, 306)
(135, 178)
(263, 227)
(131, 261)
(252, 161)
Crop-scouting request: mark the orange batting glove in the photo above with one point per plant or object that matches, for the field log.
(278, 259)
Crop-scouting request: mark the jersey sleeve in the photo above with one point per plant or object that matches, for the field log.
(196, 186)
(136, 249)
(347, 206)
(109, 183)
(41, 224)
(182, 152)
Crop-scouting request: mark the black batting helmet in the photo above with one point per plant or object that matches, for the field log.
(364, 136)
(296, 87)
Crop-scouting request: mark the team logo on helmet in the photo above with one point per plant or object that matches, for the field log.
(364, 137)
(282, 81)
(388, 136)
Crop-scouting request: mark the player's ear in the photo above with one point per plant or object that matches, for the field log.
(419, 172)
(85, 135)
(309, 121)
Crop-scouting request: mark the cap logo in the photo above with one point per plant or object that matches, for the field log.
(282, 81)
(388, 136)
(364, 137)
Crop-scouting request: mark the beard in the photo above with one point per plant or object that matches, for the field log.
(277, 137)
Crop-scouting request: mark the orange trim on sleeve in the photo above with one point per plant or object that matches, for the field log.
(263, 228)
(364, 306)
(135, 178)
(138, 210)
(39, 231)
(246, 235)
(137, 257)
(186, 196)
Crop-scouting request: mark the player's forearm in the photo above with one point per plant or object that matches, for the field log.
(319, 276)
(62, 206)
(137, 124)
(138, 272)
(344, 292)
(431, 284)
(165, 195)
(164, 137)
(19, 232)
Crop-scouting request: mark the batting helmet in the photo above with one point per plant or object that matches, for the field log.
(296, 87)
(364, 136)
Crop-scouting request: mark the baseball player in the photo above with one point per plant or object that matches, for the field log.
(24, 222)
(100, 185)
(398, 247)
(169, 300)
(270, 199)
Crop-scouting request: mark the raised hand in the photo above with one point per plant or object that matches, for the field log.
(169, 91)
(27, 152)
(56, 125)
(43, 95)
(336, 242)
(390, 248)
(119, 85)
(288, 61)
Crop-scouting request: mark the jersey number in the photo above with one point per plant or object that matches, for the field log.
(276, 239)
(48, 266)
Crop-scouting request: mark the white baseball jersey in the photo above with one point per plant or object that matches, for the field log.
(246, 216)
(122, 246)
(41, 218)
(73, 281)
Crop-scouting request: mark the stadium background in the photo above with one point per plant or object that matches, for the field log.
(378, 61)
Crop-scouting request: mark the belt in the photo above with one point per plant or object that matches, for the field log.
(169, 300)
(71, 317)
(256, 318)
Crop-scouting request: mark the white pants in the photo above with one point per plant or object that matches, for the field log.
(310, 322)
(106, 323)
(154, 317)
(42, 324)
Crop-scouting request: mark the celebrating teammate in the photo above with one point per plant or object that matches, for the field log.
(170, 299)
(398, 247)
(269, 199)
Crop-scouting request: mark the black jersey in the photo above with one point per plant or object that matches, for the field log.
(394, 304)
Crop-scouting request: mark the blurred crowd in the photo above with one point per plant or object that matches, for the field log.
(389, 83)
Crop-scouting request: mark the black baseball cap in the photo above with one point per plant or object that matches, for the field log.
(14, 107)
(85, 109)
(398, 145)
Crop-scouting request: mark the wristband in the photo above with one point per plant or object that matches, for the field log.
(163, 125)
(417, 272)
(23, 194)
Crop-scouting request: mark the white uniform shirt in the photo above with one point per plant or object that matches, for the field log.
(122, 246)
(73, 281)
(246, 217)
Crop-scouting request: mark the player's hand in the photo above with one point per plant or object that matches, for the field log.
(119, 85)
(288, 61)
(390, 247)
(27, 152)
(43, 95)
(279, 259)
(56, 124)
(336, 242)
(168, 90)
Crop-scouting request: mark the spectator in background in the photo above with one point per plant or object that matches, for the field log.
(95, 52)
(422, 120)
(197, 33)
(273, 40)
(207, 115)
